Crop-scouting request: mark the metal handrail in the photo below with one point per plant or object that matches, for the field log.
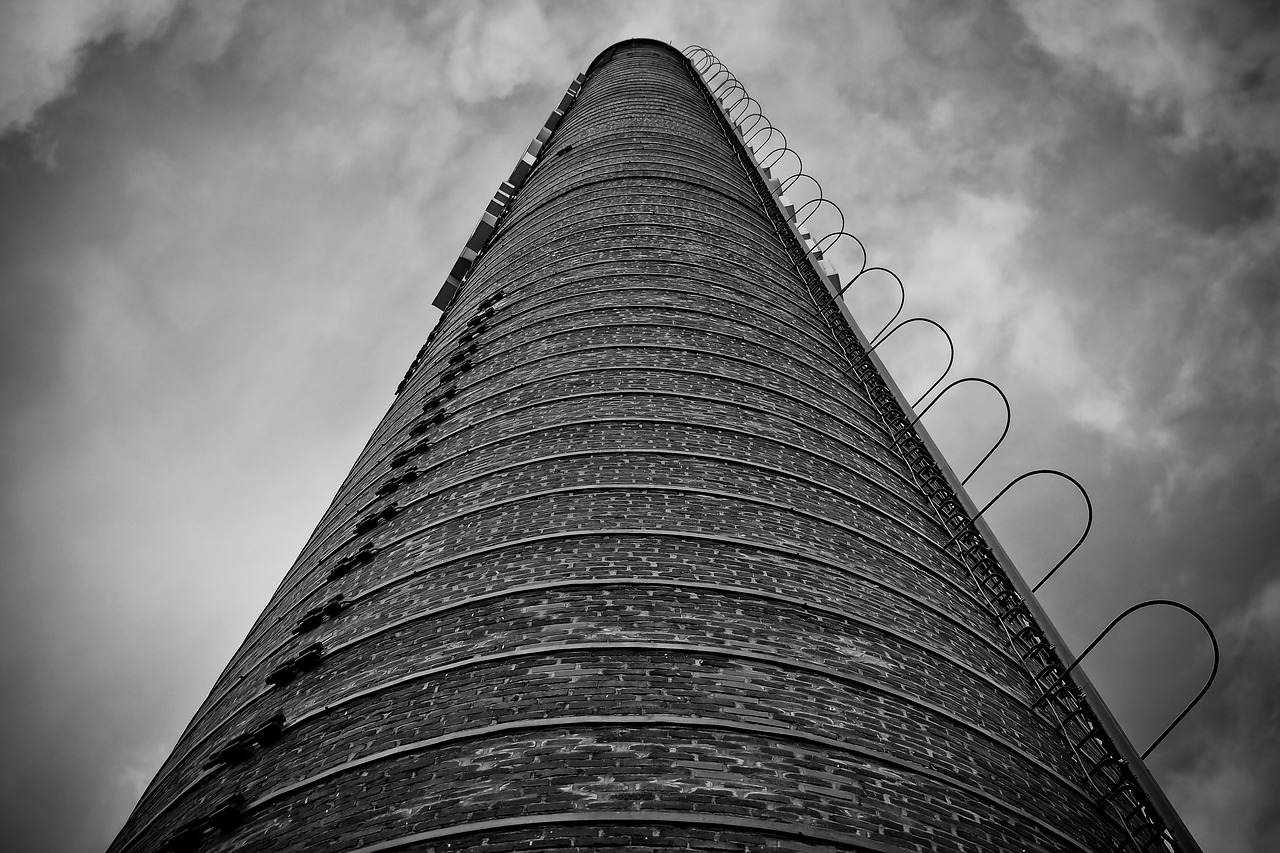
(1151, 603)
(1008, 418)
(951, 359)
(1088, 522)
(783, 186)
(818, 202)
(902, 289)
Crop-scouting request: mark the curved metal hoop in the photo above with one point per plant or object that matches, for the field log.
(721, 68)
(785, 185)
(778, 153)
(697, 48)
(1008, 418)
(818, 247)
(818, 202)
(701, 62)
(710, 77)
(758, 117)
(1203, 690)
(731, 80)
(735, 82)
(748, 100)
(711, 62)
(768, 125)
(902, 290)
(951, 359)
(704, 64)
(1073, 481)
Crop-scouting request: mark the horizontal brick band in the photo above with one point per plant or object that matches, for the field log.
(859, 415)
(547, 650)
(428, 471)
(292, 579)
(437, 489)
(856, 533)
(387, 431)
(647, 817)
(212, 702)
(516, 237)
(654, 720)
(500, 329)
(555, 310)
(624, 393)
(883, 461)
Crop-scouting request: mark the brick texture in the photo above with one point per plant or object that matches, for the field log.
(631, 562)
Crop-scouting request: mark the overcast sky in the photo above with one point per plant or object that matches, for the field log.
(222, 225)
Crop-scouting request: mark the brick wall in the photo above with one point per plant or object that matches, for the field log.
(630, 562)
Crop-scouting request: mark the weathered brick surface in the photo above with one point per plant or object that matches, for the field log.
(630, 562)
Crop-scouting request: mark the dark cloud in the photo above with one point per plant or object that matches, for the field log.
(222, 224)
(1220, 762)
(33, 313)
(1123, 159)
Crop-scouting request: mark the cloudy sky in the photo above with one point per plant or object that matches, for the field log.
(222, 225)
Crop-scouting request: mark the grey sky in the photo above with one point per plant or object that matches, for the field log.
(222, 225)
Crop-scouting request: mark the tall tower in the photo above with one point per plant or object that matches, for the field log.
(643, 556)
